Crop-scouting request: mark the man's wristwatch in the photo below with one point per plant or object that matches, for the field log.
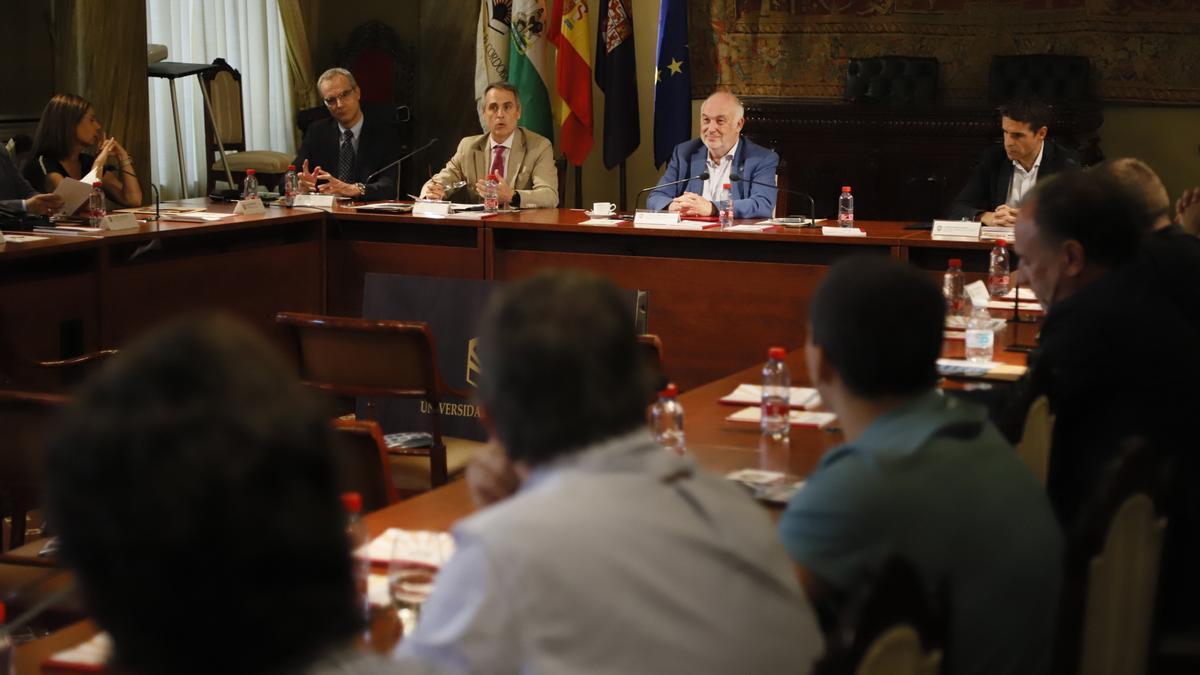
(515, 202)
(362, 189)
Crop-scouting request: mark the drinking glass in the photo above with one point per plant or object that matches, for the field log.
(412, 568)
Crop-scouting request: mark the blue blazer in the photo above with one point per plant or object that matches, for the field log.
(751, 162)
(13, 186)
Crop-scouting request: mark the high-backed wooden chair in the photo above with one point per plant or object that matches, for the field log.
(1114, 554)
(382, 359)
(362, 463)
(25, 418)
(893, 627)
(224, 86)
(652, 353)
(1034, 448)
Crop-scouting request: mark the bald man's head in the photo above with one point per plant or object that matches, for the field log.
(722, 117)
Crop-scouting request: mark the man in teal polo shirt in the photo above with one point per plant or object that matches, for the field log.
(921, 475)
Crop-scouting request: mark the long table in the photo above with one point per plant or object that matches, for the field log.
(717, 299)
(716, 444)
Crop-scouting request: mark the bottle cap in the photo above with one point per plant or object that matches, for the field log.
(956, 262)
(727, 186)
(669, 391)
(3, 613)
(1001, 243)
(845, 188)
(777, 353)
(493, 176)
(352, 502)
(97, 184)
(291, 167)
(250, 172)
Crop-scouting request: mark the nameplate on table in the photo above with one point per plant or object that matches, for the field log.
(314, 201)
(250, 207)
(656, 218)
(842, 232)
(431, 208)
(955, 230)
(115, 222)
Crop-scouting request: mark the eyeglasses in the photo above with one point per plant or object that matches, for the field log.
(338, 98)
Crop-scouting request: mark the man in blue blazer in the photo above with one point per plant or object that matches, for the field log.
(17, 195)
(721, 151)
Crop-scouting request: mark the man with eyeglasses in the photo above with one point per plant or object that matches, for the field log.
(521, 159)
(340, 153)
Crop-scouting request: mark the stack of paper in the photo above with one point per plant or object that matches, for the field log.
(843, 231)
(89, 657)
(986, 370)
(418, 547)
(769, 486)
(799, 398)
(797, 418)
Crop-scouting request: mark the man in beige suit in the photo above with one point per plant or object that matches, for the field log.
(523, 159)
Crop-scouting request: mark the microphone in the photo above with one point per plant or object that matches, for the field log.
(703, 176)
(157, 196)
(812, 205)
(397, 164)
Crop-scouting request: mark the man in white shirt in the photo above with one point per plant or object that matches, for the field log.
(1006, 173)
(598, 551)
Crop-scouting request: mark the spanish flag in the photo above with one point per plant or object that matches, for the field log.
(569, 32)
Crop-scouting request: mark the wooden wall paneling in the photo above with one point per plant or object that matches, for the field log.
(445, 107)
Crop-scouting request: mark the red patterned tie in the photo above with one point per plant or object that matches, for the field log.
(498, 161)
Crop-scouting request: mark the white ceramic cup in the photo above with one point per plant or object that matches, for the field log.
(603, 208)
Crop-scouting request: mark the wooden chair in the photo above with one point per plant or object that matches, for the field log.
(362, 462)
(25, 417)
(652, 352)
(1034, 448)
(224, 86)
(1113, 560)
(890, 628)
(20, 371)
(382, 359)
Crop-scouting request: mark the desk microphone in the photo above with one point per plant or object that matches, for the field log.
(812, 205)
(157, 196)
(397, 164)
(702, 176)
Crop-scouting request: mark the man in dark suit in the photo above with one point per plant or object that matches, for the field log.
(1005, 173)
(339, 154)
(722, 152)
(17, 195)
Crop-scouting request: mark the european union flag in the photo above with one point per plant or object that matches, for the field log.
(672, 81)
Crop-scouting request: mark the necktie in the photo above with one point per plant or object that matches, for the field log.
(346, 157)
(498, 161)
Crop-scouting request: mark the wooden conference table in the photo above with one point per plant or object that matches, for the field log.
(717, 445)
(715, 297)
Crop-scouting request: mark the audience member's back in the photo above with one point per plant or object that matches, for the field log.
(613, 556)
(921, 475)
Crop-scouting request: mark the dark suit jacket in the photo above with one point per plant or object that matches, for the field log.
(13, 186)
(988, 186)
(752, 162)
(378, 146)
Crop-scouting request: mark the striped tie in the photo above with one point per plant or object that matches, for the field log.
(346, 157)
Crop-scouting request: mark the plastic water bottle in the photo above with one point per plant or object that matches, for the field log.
(250, 186)
(980, 339)
(725, 206)
(96, 206)
(846, 208)
(291, 185)
(776, 393)
(953, 288)
(491, 194)
(7, 662)
(666, 418)
(998, 269)
(356, 534)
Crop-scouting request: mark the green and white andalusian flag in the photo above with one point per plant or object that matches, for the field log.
(491, 49)
(531, 64)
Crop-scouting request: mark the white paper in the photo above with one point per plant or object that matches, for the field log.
(197, 216)
(21, 238)
(74, 194)
(750, 227)
(1025, 293)
(751, 394)
(1021, 306)
(681, 225)
(602, 221)
(420, 546)
(978, 293)
(842, 231)
(789, 222)
(314, 201)
(95, 652)
(385, 206)
(797, 418)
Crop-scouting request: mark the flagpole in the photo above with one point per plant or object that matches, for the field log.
(624, 196)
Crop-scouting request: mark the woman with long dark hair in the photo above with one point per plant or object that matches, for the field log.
(70, 142)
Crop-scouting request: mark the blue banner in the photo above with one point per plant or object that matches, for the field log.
(672, 81)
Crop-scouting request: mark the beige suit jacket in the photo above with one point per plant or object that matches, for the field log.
(531, 170)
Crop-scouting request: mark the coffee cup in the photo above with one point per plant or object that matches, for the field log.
(603, 208)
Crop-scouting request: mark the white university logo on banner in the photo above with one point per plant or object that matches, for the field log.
(491, 47)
